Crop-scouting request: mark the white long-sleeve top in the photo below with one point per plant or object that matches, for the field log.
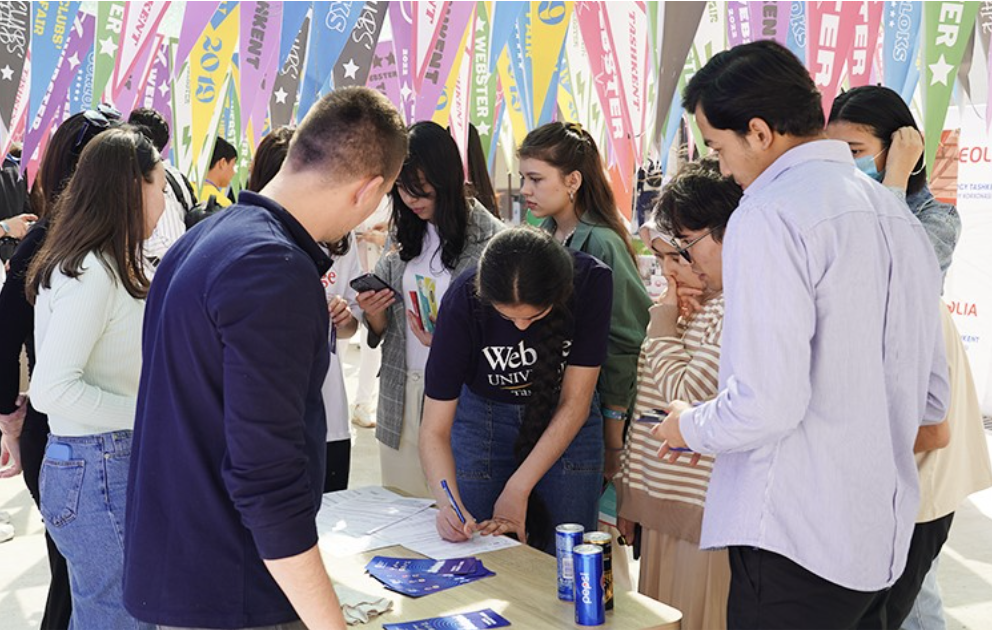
(88, 343)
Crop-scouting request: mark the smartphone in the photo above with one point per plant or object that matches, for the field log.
(370, 282)
(59, 452)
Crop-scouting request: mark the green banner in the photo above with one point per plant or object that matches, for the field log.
(947, 28)
(109, 21)
(482, 109)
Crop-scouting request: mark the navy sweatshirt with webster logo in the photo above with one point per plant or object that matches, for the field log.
(227, 465)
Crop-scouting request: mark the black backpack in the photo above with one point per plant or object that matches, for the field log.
(202, 210)
(178, 191)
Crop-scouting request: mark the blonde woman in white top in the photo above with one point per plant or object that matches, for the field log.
(88, 283)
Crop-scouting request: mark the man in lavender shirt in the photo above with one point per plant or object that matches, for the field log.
(832, 358)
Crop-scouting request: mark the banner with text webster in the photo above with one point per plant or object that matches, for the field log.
(482, 109)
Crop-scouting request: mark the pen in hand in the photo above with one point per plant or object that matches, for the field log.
(451, 498)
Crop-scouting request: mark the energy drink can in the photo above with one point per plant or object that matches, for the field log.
(590, 609)
(604, 540)
(567, 538)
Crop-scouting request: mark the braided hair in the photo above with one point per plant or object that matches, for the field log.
(527, 266)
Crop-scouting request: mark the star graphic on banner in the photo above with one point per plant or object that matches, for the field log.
(391, 59)
(108, 47)
(480, 26)
(280, 95)
(350, 69)
(405, 92)
(163, 89)
(73, 61)
(376, 61)
(483, 129)
(940, 70)
(8, 73)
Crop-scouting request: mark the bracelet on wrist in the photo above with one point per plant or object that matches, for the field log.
(613, 414)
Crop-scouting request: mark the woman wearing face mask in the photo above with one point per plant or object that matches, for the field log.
(440, 233)
(680, 360)
(887, 146)
(89, 285)
(564, 183)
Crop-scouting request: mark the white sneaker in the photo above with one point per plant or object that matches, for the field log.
(362, 417)
(6, 532)
(4, 517)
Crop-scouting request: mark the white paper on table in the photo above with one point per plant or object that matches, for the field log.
(418, 533)
(347, 518)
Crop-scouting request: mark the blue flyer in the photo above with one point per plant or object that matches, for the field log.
(478, 620)
(417, 578)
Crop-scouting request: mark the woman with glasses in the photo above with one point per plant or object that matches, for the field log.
(26, 440)
(680, 360)
(439, 233)
(88, 284)
(510, 422)
(565, 185)
(887, 146)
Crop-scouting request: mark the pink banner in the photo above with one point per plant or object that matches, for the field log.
(444, 48)
(160, 86)
(195, 19)
(384, 75)
(738, 24)
(863, 51)
(831, 35)
(259, 58)
(129, 89)
(72, 57)
(769, 20)
(141, 21)
(598, 37)
(401, 20)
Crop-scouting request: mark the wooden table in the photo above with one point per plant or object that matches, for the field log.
(524, 590)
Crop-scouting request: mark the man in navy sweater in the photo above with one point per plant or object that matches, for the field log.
(228, 453)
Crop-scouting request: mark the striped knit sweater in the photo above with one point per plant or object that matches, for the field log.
(657, 494)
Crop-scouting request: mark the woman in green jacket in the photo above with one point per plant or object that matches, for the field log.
(564, 183)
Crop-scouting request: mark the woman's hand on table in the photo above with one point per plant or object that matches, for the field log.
(509, 515)
(451, 528)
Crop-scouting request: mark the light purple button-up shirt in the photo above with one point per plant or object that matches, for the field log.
(832, 357)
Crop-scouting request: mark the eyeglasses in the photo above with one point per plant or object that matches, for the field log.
(95, 121)
(683, 250)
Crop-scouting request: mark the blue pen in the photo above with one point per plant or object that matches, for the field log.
(451, 497)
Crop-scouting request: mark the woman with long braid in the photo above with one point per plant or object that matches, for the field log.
(511, 417)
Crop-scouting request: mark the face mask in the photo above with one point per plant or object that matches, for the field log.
(866, 164)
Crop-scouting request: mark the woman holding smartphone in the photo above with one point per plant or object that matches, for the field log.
(511, 416)
(439, 233)
(89, 285)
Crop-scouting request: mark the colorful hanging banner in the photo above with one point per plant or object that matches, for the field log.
(984, 20)
(282, 104)
(597, 33)
(355, 61)
(77, 47)
(332, 24)
(210, 63)
(444, 50)
(15, 37)
(901, 41)
(548, 28)
(258, 54)
(632, 56)
(80, 93)
(831, 30)
(503, 21)
(770, 20)
(859, 64)
(51, 24)
(384, 77)
(401, 21)
(738, 23)
(18, 119)
(109, 26)
(133, 84)
(293, 14)
(681, 23)
(160, 88)
(195, 18)
(460, 89)
(138, 37)
(947, 30)
(796, 41)
(522, 67)
(482, 110)
(182, 118)
(514, 106)
(450, 97)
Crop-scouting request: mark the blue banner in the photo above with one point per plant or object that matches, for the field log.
(293, 14)
(502, 26)
(329, 32)
(902, 21)
(51, 23)
(796, 40)
(520, 63)
(81, 91)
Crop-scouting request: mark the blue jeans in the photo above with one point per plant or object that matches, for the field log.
(928, 609)
(83, 489)
(482, 440)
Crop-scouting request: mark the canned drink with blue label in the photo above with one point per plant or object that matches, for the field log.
(604, 540)
(590, 604)
(567, 538)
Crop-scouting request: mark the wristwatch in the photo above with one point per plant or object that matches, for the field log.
(6, 228)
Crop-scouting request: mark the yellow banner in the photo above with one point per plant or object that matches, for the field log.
(210, 64)
(443, 112)
(548, 26)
